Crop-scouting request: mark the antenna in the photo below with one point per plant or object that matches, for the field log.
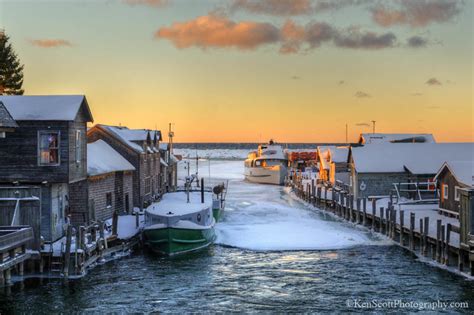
(373, 126)
(170, 137)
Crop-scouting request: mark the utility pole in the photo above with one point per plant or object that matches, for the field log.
(170, 137)
(373, 126)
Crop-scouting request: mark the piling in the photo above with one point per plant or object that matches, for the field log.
(442, 251)
(358, 210)
(438, 240)
(422, 243)
(364, 209)
(402, 221)
(387, 221)
(425, 236)
(448, 238)
(412, 231)
(67, 254)
(381, 220)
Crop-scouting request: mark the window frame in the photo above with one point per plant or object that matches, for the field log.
(39, 149)
(78, 146)
(107, 204)
(457, 194)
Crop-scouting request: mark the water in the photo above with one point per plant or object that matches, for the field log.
(273, 254)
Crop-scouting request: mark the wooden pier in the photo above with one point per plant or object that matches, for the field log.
(425, 233)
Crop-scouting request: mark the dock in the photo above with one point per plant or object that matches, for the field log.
(415, 227)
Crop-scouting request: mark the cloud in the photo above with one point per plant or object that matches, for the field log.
(213, 31)
(361, 94)
(368, 40)
(273, 7)
(150, 3)
(417, 42)
(362, 125)
(433, 81)
(341, 82)
(50, 43)
(218, 32)
(291, 7)
(416, 13)
(295, 77)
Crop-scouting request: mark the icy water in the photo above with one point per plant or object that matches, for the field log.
(273, 254)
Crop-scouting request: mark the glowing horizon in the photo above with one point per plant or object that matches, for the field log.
(248, 71)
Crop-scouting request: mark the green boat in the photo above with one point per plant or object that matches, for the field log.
(182, 222)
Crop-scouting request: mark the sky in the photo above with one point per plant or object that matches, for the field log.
(251, 70)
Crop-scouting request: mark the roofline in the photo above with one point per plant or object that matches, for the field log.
(446, 165)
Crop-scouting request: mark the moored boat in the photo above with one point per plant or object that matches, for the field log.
(182, 221)
(268, 165)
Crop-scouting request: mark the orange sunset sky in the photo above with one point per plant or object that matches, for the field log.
(249, 70)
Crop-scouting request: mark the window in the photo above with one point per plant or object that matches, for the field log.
(48, 147)
(147, 185)
(456, 193)
(78, 146)
(108, 200)
(445, 191)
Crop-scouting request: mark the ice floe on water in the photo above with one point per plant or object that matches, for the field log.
(266, 218)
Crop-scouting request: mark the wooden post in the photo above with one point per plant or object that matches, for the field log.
(351, 208)
(21, 269)
(364, 209)
(412, 231)
(387, 221)
(402, 221)
(93, 233)
(358, 211)
(393, 224)
(438, 240)
(448, 238)
(114, 222)
(8, 276)
(425, 235)
(422, 248)
(381, 220)
(373, 215)
(441, 260)
(325, 197)
(67, 254)
(102, 234)
(2, 278)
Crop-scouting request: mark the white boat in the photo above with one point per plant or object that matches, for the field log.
(268, 165)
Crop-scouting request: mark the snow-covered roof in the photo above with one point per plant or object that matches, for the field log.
(420, 158)
(103, 159)
(377, 138)
(339, 155)
(175, 203)
(45, 107)
(463, 171)
(6, 120)
(132, 137)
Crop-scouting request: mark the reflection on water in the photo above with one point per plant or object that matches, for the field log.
(275, 276)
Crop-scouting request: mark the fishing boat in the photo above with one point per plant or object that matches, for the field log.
(268, 165)
(183, 221)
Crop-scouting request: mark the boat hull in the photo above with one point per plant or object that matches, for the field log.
(170, 241)
(266, 176)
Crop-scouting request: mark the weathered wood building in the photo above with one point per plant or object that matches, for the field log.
(375, 168)
(140, 147)
(451, 178)
(169, 169)
(110, 178)
(43, 164)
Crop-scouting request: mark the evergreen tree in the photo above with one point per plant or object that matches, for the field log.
(11, 71)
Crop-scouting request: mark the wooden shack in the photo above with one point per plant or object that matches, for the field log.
(7, 123)
(110, 178)
(43, 165)
(140, 147)
(377, 169)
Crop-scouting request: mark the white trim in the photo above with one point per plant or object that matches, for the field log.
(457, 195)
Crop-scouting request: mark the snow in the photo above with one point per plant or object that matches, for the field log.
(103, 159)
(420, 158)
(378, 138)
(163, 162)
(176, 203)
(340, 154)
(127, 226)
(131, 136)
(43, 107)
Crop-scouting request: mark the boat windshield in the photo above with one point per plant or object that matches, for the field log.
(269, 162)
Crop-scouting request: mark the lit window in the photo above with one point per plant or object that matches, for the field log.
(48, 145)
(445, 191)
